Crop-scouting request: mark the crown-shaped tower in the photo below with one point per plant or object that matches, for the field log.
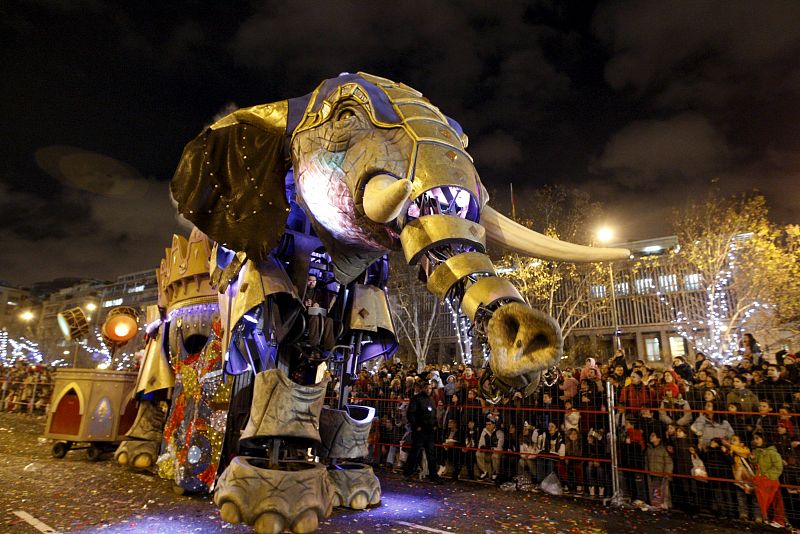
(183, 277)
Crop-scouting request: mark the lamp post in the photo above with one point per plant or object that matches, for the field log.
(606, 235)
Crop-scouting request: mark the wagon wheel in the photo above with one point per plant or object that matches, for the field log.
(93, 452)
(60, 449)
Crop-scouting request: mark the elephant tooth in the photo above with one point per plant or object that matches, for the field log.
(384, 197)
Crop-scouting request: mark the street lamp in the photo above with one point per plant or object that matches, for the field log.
(26, 316)
(606, 235)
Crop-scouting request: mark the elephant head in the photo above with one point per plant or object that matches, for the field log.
(376, 167)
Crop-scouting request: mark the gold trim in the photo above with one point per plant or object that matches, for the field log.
(454, 269)
(420, 235)
(486, 292)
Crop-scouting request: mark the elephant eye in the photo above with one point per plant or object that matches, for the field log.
(345, 114)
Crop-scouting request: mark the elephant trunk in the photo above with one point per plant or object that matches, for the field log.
(524, 342)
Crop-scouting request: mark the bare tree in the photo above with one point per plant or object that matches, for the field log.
(415, 312)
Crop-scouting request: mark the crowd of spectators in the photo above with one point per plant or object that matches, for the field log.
(692, 435)
(25, 388)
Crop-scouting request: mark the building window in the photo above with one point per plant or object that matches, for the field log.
(644, 285)
(598, 292)
(677, 346)
(668, 282)
(136, 289)
(622, 288)
(692, 281)
(652, 347)
(113, 302)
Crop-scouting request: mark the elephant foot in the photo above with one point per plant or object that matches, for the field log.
(295, 496)
(355, 486)
(142, 453)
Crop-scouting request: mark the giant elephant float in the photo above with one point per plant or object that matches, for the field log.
(372, 166)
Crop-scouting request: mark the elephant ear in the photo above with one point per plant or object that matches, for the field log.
(230, 182)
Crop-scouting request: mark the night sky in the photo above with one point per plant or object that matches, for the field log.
(644, 104)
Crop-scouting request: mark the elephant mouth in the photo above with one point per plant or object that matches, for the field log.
(444, 200)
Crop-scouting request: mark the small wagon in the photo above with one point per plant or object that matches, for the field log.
(90, 409)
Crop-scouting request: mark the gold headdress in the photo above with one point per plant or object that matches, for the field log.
(183, 277)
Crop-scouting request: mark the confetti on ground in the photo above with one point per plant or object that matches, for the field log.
(74, 495)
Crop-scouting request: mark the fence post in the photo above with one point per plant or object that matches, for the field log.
(32, 402)
(5, 391)
(616, 498)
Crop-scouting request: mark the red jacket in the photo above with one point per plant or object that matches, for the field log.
(640, 396)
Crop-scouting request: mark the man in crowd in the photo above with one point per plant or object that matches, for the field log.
(491, 445)
(421, 417)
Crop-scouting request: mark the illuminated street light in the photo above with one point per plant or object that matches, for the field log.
(26, 316)
(91, 306)
(605, 234)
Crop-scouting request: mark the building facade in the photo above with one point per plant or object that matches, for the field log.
(636, 298)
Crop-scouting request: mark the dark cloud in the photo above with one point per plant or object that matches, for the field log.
(646, 154)
(484, 66)
(641, 103)
(716, 87)
(83, 234)
(498, 150)
(696, 49)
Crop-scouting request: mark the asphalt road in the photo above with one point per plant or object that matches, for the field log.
(75, 495)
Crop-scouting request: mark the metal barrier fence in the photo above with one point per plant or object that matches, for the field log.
(626, 455)
(25, 396)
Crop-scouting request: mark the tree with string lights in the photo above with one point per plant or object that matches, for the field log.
(749, 269)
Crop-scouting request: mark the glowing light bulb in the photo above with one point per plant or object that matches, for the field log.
(121, 329)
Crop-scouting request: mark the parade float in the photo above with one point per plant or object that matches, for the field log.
(92, 409)
(324, 186)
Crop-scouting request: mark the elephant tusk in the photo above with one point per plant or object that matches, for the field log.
(384, 197)
(512, 236)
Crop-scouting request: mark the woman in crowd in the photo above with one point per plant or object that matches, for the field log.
(707, 426)
(674, 410)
